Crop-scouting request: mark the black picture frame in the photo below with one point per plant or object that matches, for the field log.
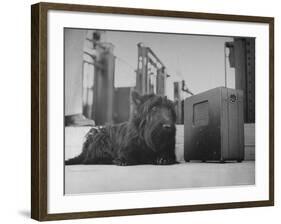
(39, 108)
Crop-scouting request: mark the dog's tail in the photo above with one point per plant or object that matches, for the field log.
(76, 160)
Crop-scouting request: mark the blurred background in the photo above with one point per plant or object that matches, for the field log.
(102, 67)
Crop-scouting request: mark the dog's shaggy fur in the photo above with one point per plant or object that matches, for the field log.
(147, 138)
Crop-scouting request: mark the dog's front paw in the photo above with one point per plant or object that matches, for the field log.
(165, 161)
(120, 162)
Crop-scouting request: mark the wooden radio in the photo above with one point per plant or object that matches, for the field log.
(214, 126)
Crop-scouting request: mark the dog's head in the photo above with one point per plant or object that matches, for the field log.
(155, 117)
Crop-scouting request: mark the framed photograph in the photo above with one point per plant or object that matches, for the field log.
(141, 111)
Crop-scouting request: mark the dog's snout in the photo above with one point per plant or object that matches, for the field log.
(167, 126)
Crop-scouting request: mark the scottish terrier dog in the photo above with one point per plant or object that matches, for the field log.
(147, 138)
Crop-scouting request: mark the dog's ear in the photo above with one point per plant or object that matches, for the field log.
(136, 97)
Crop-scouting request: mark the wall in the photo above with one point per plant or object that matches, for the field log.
(74, 44)
(15, 112)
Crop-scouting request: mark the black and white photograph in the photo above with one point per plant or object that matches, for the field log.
(148, 111)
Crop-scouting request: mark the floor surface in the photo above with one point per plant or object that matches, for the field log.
(111, 178)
